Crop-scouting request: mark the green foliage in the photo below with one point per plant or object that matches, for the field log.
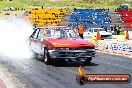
(111, 4)
(4, 4)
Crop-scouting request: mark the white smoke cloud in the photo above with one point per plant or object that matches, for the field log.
(13, 35)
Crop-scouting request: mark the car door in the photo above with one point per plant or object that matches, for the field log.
(40, 43)
(34, 40)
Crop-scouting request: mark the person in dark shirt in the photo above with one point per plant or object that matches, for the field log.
(115, 30)
(118, 30)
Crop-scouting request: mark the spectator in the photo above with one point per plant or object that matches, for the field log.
(105, 29)
(81, 30)
(74, 9)
(118, 30)
(76, 18)
(42, 7)
(115, 30)
(112, 29)
(102, 26)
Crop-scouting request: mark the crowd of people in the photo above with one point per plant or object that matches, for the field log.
(116, 29)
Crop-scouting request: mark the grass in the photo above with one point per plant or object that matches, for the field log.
(70, 5)
(29, 4)
(4, 4)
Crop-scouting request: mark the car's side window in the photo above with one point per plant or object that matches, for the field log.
(39, 36)
(34, 34)
(48, 33)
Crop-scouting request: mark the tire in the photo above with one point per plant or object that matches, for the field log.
(34, 55)
(47, 59)
(88, 60)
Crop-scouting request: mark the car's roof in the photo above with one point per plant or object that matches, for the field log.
(52, 27)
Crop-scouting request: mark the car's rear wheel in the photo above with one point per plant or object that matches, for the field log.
(34, 55)
(47, 59)
(88, 60)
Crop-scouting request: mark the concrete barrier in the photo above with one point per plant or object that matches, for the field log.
(122, 48)
(117, 46)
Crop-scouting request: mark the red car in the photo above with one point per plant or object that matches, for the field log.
(62, 43)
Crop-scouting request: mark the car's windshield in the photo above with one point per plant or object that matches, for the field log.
(60, 33)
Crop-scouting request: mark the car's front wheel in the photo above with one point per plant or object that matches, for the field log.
(47, 59)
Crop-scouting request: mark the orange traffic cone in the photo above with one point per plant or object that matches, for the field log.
(98, 35)
(127, 35)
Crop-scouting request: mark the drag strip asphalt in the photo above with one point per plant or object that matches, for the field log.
(31, 73)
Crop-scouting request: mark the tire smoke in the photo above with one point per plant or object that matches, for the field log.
(13, 36)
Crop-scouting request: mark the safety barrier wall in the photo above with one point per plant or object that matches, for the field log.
(122, 48)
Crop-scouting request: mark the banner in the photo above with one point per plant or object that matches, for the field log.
(119, 47)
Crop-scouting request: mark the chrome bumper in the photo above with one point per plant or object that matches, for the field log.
(72, 53)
